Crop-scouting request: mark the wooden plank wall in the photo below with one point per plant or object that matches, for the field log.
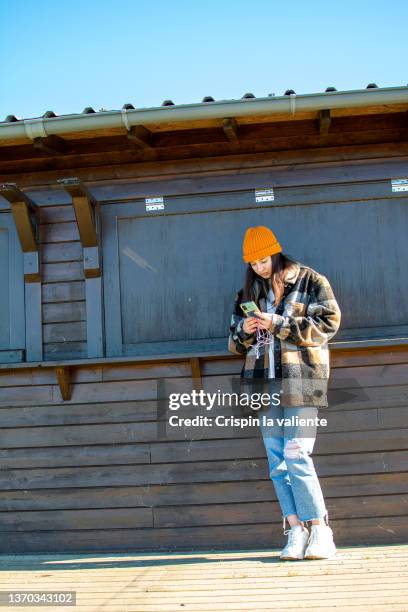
(63, 286)
(93, 473)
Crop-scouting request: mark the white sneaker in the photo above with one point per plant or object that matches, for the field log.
(297, 542)
(321, 544)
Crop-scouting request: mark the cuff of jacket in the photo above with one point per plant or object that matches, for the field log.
(277, 322)
(242, 335)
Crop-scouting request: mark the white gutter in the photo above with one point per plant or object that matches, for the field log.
(31, 128)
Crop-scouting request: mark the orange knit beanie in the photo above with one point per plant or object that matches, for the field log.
(259, 242)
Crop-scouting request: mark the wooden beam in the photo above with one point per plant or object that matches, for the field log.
(33, 317)
(85, 217)
(231, 129)
(50, 144)
(381, 350)
(92, 263)
(64, 381)
(84, 204)
(26, 225)
(25, 214)
(196, 373)
(324, 122)
(140, 136)
(87, 213)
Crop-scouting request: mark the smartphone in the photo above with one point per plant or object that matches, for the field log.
(250, 309)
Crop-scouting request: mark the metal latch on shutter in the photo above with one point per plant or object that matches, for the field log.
(264, 195)
(399, 184)
(154, 203)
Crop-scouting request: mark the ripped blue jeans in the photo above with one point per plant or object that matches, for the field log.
(291, 468)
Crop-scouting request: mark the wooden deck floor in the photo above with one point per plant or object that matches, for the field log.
(361, 578)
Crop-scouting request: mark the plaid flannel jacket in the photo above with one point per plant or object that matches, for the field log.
(307, 317)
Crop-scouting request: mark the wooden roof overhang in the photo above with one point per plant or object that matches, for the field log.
(204, 136)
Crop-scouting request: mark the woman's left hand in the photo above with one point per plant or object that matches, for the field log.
(265, 321)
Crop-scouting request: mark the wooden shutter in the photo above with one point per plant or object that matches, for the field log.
(12, 323)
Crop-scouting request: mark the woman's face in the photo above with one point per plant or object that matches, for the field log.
(263, 267)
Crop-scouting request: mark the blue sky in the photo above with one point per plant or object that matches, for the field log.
(64, 56)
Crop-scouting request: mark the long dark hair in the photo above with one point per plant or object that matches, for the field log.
(281, 263)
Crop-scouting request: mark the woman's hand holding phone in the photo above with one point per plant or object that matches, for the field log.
(264, 321)
(250, 325)
(255, 319)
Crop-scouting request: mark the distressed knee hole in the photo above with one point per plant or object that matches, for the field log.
(292, 449)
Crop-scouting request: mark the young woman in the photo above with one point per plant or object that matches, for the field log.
(298, 315)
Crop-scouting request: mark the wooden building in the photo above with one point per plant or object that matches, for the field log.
(120, 242)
